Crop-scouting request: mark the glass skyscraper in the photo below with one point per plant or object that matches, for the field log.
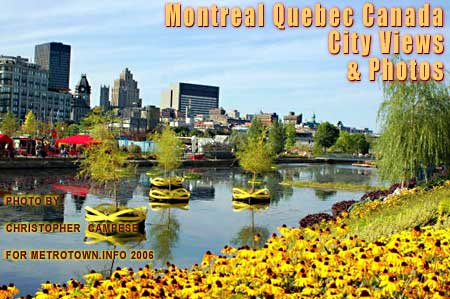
(54, 58)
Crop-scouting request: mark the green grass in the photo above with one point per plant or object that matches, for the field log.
(410, 211)
(332, 185)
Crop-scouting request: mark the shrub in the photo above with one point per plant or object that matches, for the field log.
(134, 149)
(340, 207)
(312, 219)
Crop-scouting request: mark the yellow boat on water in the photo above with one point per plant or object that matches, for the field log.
(166, 195)
(259, 194)
(173, 182)
(108, 213)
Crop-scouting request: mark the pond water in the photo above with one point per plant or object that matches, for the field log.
(180, 234)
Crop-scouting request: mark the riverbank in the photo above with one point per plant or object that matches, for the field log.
(331, 185)
(50, 163)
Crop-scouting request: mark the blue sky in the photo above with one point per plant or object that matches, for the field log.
(260, 69)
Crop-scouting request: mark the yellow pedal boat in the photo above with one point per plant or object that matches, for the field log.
(174, 195)
(107, 213)
(174, 182)
(259, 194)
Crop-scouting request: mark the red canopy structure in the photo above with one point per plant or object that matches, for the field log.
(5, 139)
(76, 139)
(74, 190)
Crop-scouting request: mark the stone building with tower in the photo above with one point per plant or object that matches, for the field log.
(81, 99)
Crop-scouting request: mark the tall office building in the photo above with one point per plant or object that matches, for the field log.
(24, 87)
(55, 59)
(125, 93)
(104, 97)
(198, 99)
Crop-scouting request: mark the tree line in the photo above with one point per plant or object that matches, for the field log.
(33, 127)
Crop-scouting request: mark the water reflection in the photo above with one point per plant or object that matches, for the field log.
(201, 190)
(277, 191)
(164, 231)
(331, 173)
(324, 194)
(254, 236)
(131, 240)
(79, 202)
(41, 214)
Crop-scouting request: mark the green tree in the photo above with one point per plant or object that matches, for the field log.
(44, 128)
(255, 156)
(30, 125)
(277, 137)
(197, 133)
(94, 117)
(326, 135)
(415, 126)
(351, 143)
(237, 138)
(105, 163)
(168, 150)
(290, 136)
(9, 124)
(61, 128)
(256, 129)
(72, 129)
(182, 131)
(361, 144)
(102, 124)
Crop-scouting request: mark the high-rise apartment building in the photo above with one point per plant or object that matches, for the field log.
(125, 93)
(104, 98)
(24, 87)
(197, 99)
(55, 59)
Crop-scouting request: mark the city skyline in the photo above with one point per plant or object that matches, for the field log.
(256, 69)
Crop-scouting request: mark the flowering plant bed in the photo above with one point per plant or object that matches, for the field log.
(301, 263)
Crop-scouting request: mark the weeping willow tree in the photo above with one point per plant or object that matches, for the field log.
(415, 123)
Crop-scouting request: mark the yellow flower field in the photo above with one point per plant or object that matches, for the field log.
(301, 263)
